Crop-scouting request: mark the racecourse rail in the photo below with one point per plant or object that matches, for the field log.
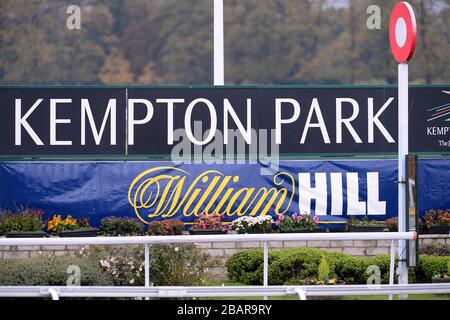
(217, 291)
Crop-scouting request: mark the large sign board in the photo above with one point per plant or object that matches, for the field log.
(142, 121)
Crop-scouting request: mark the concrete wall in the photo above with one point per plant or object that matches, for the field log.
(222, 251)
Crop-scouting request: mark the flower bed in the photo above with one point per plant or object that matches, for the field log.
(25, 223)
(246, 224)
(297, 223)
(208, 225)
(70, 227)
(435, 222)
(366, 225)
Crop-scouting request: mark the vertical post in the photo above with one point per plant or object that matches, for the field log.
(266, 266)
(392, 266)
(403, 107)
(218, 44)
(147, 266)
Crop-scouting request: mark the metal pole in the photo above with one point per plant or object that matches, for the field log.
(218, 44)
(403, 107)
(392, 266)
(266, 266)
(147, 266)
(53, 294)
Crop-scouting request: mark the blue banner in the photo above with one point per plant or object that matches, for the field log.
(163, 190)
(433, 176)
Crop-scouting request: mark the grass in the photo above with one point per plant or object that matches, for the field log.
(375, 297)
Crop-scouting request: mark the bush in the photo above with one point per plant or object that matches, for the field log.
(430, 266)
(435, 249)
(169, 264)
(41, 271)
(123, 264)
(165, 228)
(25, 220)
(121, 226)
(174, 265)
(292, 265)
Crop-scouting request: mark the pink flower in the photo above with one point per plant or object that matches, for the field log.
(294, 215)
(278, 222)
(316, 219)
(300, 218)
(281, 218)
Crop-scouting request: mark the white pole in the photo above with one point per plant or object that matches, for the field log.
(147, 265)
(403, 106)
(266, 266)
(392, 266)
(218, 44)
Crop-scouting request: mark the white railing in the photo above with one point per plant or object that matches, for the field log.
(265, 290)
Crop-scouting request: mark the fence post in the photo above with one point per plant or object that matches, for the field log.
(266, 266)
(392, 266)
(147, 266)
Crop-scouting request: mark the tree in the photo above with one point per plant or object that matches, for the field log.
(116, 70)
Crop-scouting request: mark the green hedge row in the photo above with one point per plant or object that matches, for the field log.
(289, 265)
(53, 271)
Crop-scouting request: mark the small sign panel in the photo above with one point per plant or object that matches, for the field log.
(403, 32)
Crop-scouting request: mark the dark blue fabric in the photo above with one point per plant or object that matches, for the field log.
(99, 189)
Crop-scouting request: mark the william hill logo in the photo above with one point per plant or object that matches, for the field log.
(440, 115)
(166, 192)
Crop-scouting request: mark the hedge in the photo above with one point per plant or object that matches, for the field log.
(288, 265)
(51, 271)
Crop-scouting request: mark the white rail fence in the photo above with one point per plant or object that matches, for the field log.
(213, 291)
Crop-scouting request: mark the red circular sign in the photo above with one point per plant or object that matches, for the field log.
(402, 32)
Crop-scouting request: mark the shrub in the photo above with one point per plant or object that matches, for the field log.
(22, 221)
(430, 266)
(41, 271)
(295, 265)
(324, 270)
(435, 249)
(173, 265)
(123, 264)
(169, 264)
(121, 226)
(166, 227)
(290, 265)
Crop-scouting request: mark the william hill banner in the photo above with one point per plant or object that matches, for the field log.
(127, 121)
(161, 190)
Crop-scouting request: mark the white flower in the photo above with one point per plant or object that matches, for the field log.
(131, 281)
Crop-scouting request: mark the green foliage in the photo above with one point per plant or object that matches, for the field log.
(169, 264)
(295, 265)
(430, 266)
(40, 271)
(121, 226)
(173, 265)
(448, 267)
(324, 270)
(165, 227)
(24, 220)
(123, 264)
(246, 266)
